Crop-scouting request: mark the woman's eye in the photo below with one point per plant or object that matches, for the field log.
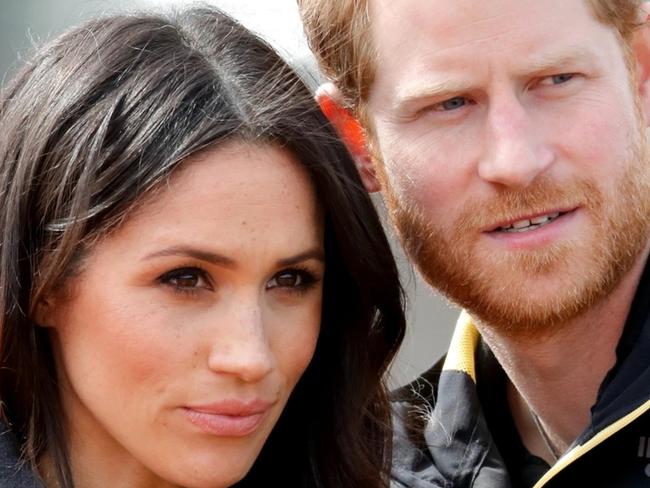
(186, 279)
(292, 279)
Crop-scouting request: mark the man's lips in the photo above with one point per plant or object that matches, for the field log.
(528, 221)
(230, 418)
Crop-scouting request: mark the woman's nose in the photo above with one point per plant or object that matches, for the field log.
(240, 346)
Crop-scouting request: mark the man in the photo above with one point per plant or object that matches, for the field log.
(508, 138)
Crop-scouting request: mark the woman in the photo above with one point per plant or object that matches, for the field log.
(195, 289)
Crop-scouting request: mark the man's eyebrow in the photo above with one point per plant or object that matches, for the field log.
(422, 91)
(536, 64)
(543, 62)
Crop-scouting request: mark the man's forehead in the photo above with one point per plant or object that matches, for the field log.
(455, 23)
(420, 45)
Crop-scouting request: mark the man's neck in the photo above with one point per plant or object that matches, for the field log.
(557, 378)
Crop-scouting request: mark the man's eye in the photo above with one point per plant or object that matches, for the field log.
(451, 104)
(292, 278)
(185, 279)
(557, 79)
(563, 78)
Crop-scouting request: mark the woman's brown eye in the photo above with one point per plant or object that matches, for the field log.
(185, 278)
(185, 281)
(292, 279)
(288, 279)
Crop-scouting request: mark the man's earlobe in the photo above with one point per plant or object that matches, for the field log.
(641, 51)
(350, 130)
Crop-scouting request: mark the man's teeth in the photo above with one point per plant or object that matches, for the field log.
(530, 224)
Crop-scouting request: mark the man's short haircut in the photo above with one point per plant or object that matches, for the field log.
(339, 35)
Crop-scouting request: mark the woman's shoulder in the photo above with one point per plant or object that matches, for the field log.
(14, 472)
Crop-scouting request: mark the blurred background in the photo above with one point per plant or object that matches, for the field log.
(25, 23)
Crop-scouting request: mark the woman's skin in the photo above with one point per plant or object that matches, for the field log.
(182, 336)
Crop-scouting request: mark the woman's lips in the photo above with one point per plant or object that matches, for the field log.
(228, 419)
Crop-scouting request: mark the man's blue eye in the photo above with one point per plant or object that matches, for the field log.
(453, 103)
(563, 78)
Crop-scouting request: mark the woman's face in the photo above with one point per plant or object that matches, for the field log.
(182, 337)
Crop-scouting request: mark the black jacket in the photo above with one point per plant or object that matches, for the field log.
(442, 436)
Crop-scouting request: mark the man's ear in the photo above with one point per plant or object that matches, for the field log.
(350, 130)
(641, 52)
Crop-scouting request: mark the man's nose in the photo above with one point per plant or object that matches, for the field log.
(240, 345)
(516, 152)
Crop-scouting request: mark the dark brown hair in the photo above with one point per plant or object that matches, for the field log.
(97, 120)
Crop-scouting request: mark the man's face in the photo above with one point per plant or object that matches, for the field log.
(513, 153)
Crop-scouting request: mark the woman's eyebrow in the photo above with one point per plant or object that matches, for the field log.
(192, 252)
(214, 258)
(316, 253)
